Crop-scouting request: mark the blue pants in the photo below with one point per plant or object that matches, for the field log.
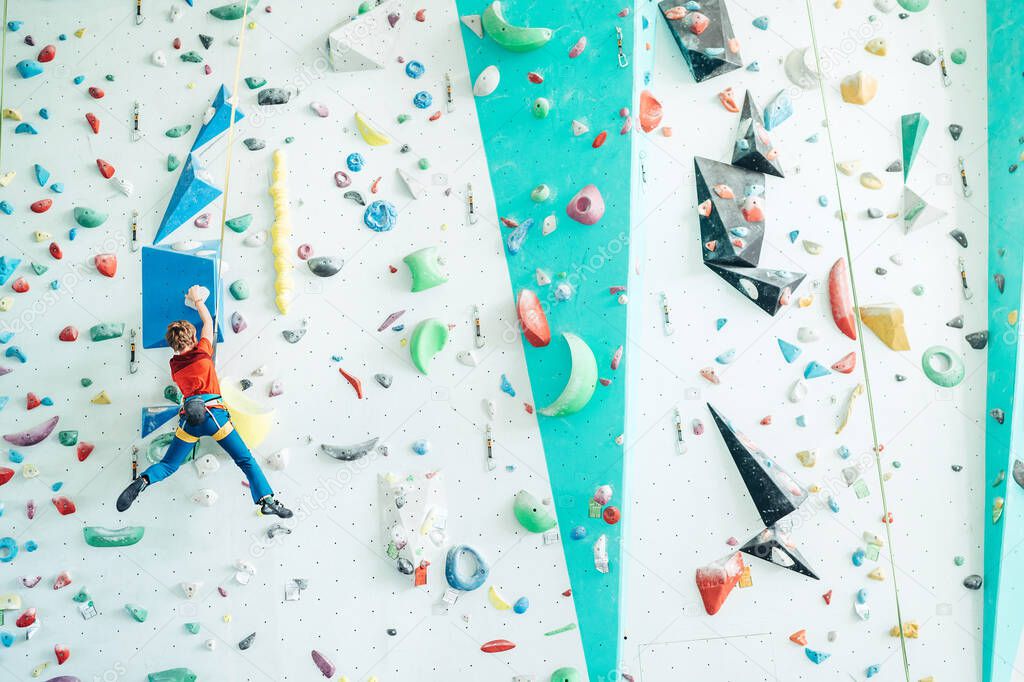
(218, 426)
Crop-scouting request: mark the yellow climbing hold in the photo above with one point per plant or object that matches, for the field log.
(281, 232)
(7, 178)
(38, 670)
(807, 457)
(497, 600)
(805, 301)
(101, 398)
(1012, 317)
(373, 137)
(911, 630)
(41, 236)
(5, 304)
(12, 114)
(871, 181)
(886, 321)
(858, 88)
(877, 574)
(252, 420)
(877, 46)
(226, 618)
(80, 32)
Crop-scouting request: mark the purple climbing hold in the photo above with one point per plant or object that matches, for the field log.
(325, 666)
(36, 434)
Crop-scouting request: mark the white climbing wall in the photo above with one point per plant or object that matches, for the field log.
(684, 508)
(354, 593)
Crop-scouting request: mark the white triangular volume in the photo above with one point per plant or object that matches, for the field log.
(366, 41)
(415, 187)
(917, 212)
(474, 24)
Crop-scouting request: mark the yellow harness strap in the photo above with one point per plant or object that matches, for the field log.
(223, 432)
(186, 436)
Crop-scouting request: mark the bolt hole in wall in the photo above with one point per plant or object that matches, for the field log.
(690, 509)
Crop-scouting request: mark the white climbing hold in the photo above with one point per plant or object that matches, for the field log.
(159, 58)
(579, 128)
(550, 225)
(807, 334)
(798, 391)
(467, 357)
(205, 497)
(487, 81)
(175, 13)
(207, 464)
(543, 278)
(123, 186)
(278, 460)
(474, 23)
(490, 407)
(191, 589)
(256, 239)
(416, 188)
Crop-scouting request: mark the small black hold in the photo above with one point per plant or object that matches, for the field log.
(30, 41)
(404, 149)
(903, 15)
(1000, 281)
(973, 582)
(881, 271)
(978, 340)
(894, 167)
(900, 377)
(957, 468)
(875, 213)
(206, 40)
(959, 236)
(998, 415)
(245, 384)
(957, 322)
(393, 632)
(254, 144)
(1013, 168)
(926, 57)
(955, 131)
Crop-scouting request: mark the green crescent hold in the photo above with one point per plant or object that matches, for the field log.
(582, 380)
(512, 38)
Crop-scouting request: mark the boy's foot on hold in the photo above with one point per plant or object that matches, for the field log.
(128, 495)
(269, 506)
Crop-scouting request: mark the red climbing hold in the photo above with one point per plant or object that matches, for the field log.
(62, 653)
(106, 263)
(533, 319)
(62, 580)
(41, 206)
(106, 170)
(421, 15)
(611, 515)
(6, 474)
(47, 54)
(55, 250)
(845, 364)
(535, 77)
(176, 43)
(26, 618)
(716, 580)
(68, 334)
(84, 450)
(94, 122)
(827, 597)
(356, 384)
(96, 93)
(599, 140)
(32, 401)
(497, 646)
(20, 285)
(65, 507)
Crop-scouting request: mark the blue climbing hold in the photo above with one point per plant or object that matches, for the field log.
(7, 268)
(521, 605)
(457, 576)
(843, 452)
(518, 236)
(15, 25)
(15, 456)
(47, 400)
(761, 23)
(579, 532)
(44, 114)
(801, 421)
(78, 80)
(506, 386)
(414, 69)
(380, 216)
(26, 128)
(57, 486)
(421, 447)
(833, 504)
(6, 208)
(793, 234)
(42, 175)
(862, 596)
(422, 100)
(57, 188)
(726, 357)
(15, 352)
(789, 351)
(31, 546)
(8, 549)
(5, 336)
(29, 68)
(816, 656)
(6, 638)
(72, 233)
(815, 369)
(778, 110)
(858, 558)
(719, 323)
(3, 403)
(823, 201)
(871, 670)
(355, 162)
(754, 66)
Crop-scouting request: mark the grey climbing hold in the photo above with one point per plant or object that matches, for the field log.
(978, 340)
(293, 335)
(1000, 281)
(955, 131)
(254, 144)
(957, 322)
(271, 96)
(349, 453)
(355, 196)
(959, 236)
(881, 271)
(875, 213)
(278, 529)
(900, 377)
(1018, 472)
(926, 57)
(325, 266)
(247, 642)
(973, 582)
(383, 379)
(894, 167)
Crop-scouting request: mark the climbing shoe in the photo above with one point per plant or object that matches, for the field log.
(271, 507)
(128, 495)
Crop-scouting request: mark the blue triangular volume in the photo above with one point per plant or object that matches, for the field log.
(155, 417)
(192, 194)
(220, 121)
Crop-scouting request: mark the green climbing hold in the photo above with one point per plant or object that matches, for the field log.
(255, 82)
(86, 382)
(172, 163)
(68, 438)
(541, 107)
(231, 12)
(428, 339)
(289, 139)
(239, 224)
(512, 38)
(105, 331)
(39, 268)
(158, 446)
(192, 56)
(364, 7)
(402, 118)
(178, 131)
(81, 596)
(425, 267)
(958, 56)
(174, 675)
(913, 126)
(540, 193)
(566, 675)
(532, 514)
(88, 217)
(239, 289)
(192, 628)
(109, 77)
(579, 389)
(97, 536)
(424, 164)
(914, 5)
(172, 393)
(139, 614)
(942, 366)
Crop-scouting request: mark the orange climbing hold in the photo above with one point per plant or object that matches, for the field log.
(728, 100)
(599, 140)
(65, 507)
(94, 122)
(716, 580)
(106, 264)
(842, 299)
(106, 170)
(532, 319)
(356, 383)
(799, 637)
(650, 111)
(845, 364)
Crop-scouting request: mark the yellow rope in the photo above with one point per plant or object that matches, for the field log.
(227, 170)
(863, 349)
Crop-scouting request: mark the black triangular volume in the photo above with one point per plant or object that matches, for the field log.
(775, 493)
(726, 235)
(753, 149)
(712, 51)
(776, 547)
(770, 290)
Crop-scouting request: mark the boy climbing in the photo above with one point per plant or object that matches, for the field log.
(202, 413)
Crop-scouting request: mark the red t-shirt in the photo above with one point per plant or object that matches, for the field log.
(194, 372)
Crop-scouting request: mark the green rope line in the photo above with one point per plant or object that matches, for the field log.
(863, 349)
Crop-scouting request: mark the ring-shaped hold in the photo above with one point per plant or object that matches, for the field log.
(949, 377)
(9, 550)
(457, 578)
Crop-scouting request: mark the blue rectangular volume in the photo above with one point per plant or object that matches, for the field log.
(166, 277)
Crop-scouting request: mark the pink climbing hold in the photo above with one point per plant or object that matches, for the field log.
(845, 364)
(304, 251)
(30, 582)
(650, 111)
(535, 77)
(106, 264)
(47, 54)
(325, 666)
(202, 220)
(421, 15)
(533, 319)
(698, 23)
(587, 207)
(106, 170)
(83, 450)
(64, 506)
(62, 580)
(36, 434)
(30, 509)
(68, 334)
(577, 49)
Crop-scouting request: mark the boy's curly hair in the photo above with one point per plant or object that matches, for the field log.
(181, 334)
